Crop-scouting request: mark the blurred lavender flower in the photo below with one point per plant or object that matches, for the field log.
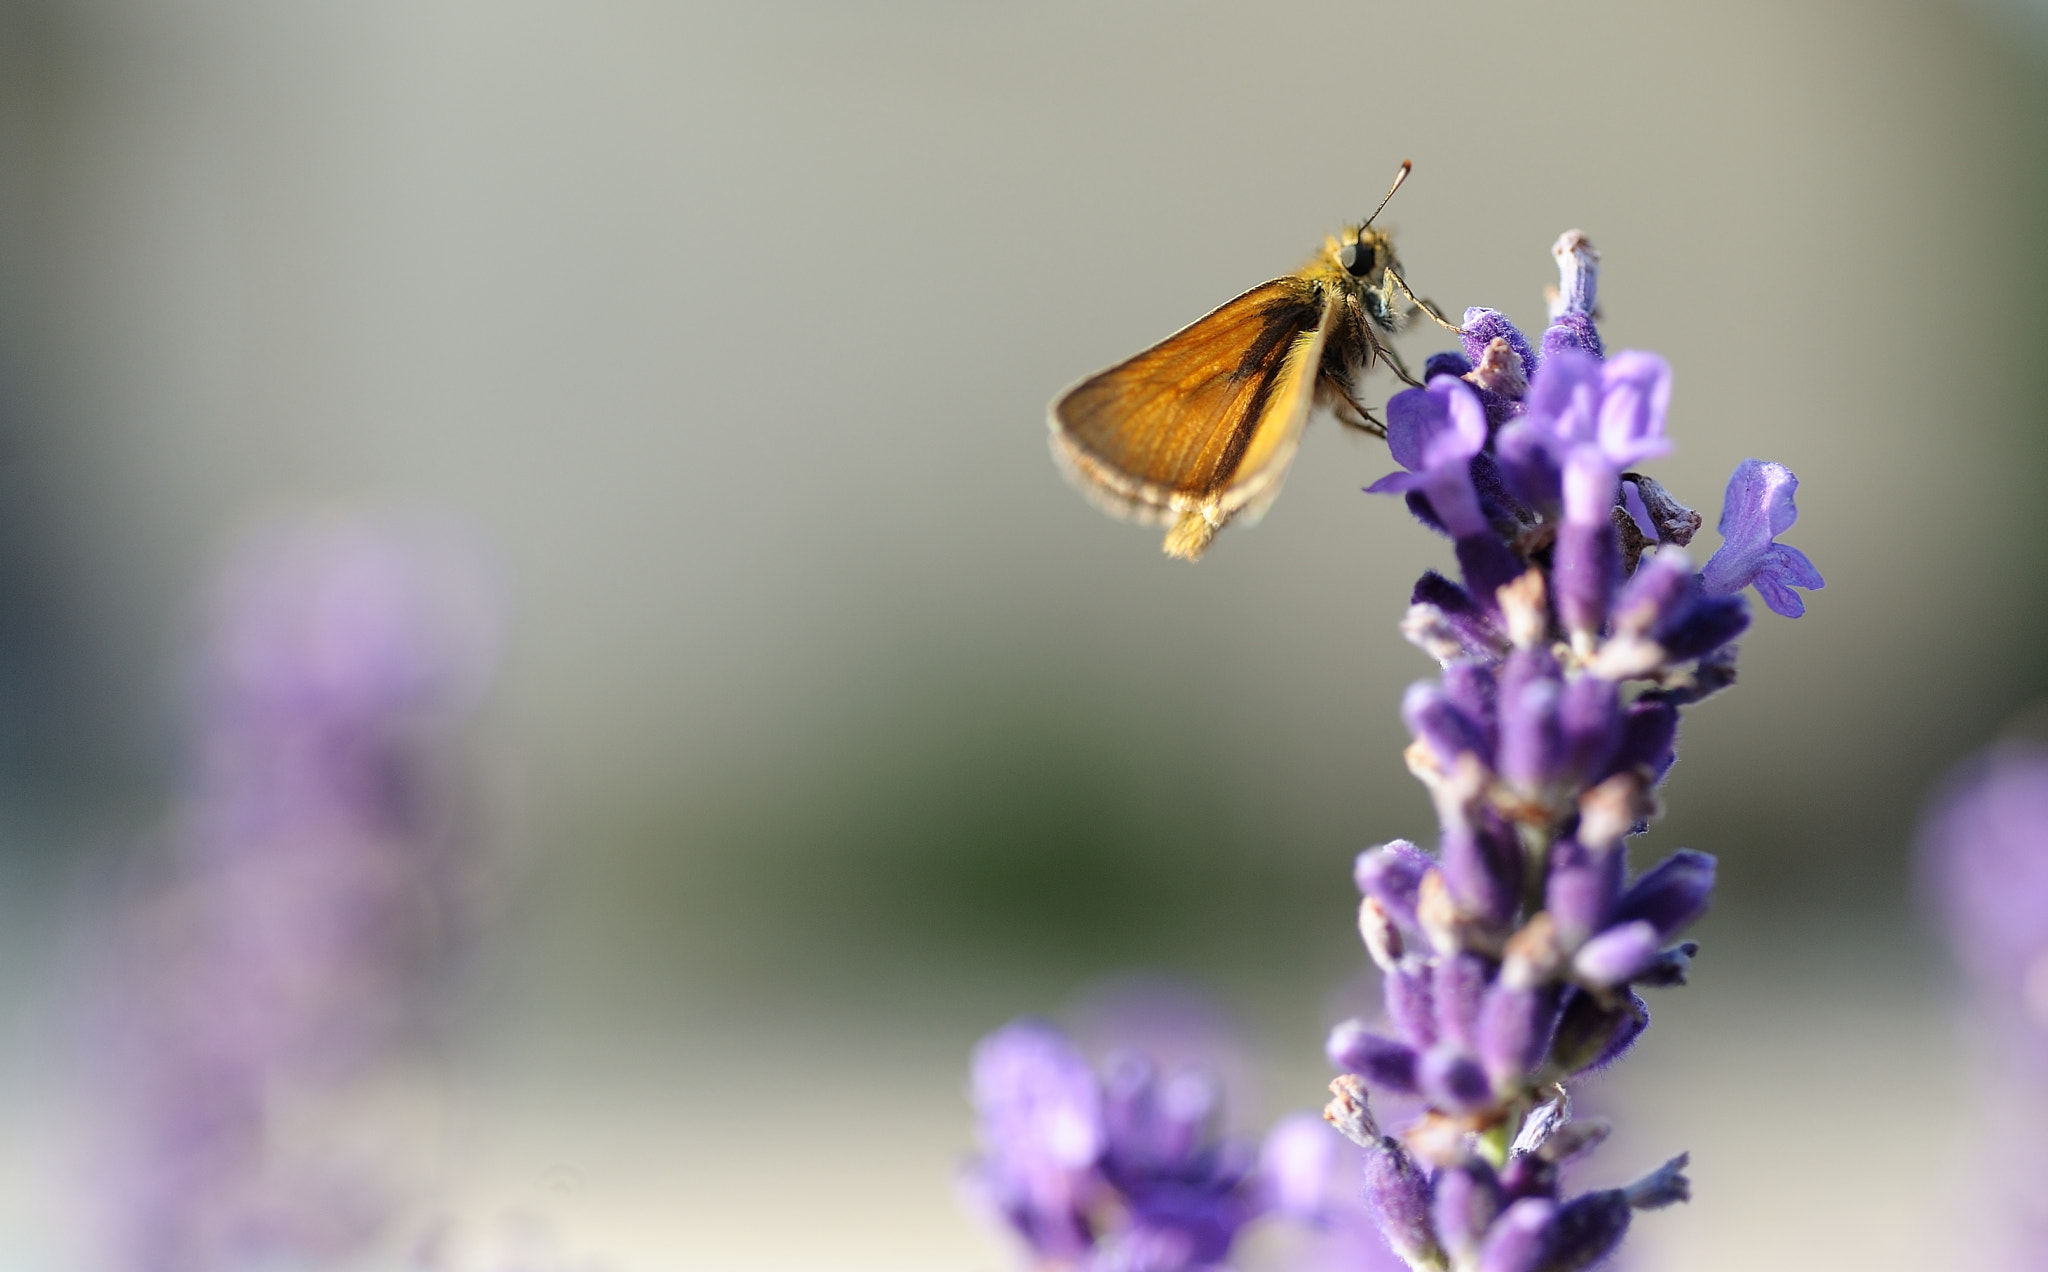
(1984, 864)
(313, 883)
(1123, 1168)
(1512, 955)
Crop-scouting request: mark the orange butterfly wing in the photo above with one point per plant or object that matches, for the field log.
(1207, 420)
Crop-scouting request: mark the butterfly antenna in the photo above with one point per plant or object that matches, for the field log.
(1407, 166)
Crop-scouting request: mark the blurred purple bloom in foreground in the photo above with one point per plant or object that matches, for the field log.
(1984, 864)
(279, 942)
(1124, 1169)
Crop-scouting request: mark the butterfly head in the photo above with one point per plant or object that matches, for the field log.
(1366, 253)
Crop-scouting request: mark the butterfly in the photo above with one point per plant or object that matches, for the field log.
(1199, 429)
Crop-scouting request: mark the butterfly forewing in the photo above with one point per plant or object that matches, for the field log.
(1207, 419)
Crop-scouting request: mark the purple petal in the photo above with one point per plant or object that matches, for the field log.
(1635, 393)
(1298, 1166)
(1036, 1096)
(1757, 508)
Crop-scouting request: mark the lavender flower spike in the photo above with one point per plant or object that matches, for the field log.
(1757, 509)
(1513, 955)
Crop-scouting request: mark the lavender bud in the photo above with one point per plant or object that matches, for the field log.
(1482, 866)
(1436, 722)
(1453, 1080)
(1468, 1199)
(1710, 622)
(1573, 333)
(1649, 732)
(1588, 565)
(1445, 363)
(1457, 985)
(1581, 889)
(1411, 1003)
(1474, 625)
(1515, 1243)
(1617, 956)
(1589, 717)
(1578, 275)
(1532, 752)
(1473, 691)
(1592, 1034)
(1584, 1231)
(1660, 590)
(1381, 1061)
(1398, 1193)
(1391, 874)
(1486, 563)
(1671, 895)
(1515, 1028)
(1484, 326)
(1528, 1175)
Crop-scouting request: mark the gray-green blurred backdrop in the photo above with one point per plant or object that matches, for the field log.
(835, 729)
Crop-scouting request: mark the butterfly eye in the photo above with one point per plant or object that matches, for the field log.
(1356, 258)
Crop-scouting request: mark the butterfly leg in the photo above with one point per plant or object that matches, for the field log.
(1393, 360)
(1360, 416)
(1424, 305)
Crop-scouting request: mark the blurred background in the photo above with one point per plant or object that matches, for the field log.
(832, 729)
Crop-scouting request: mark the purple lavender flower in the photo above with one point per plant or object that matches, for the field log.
(1756, 510)
(1984, 865)
(1512, 956)
(1121, 1168)
(1984, 853)
(315, 879)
